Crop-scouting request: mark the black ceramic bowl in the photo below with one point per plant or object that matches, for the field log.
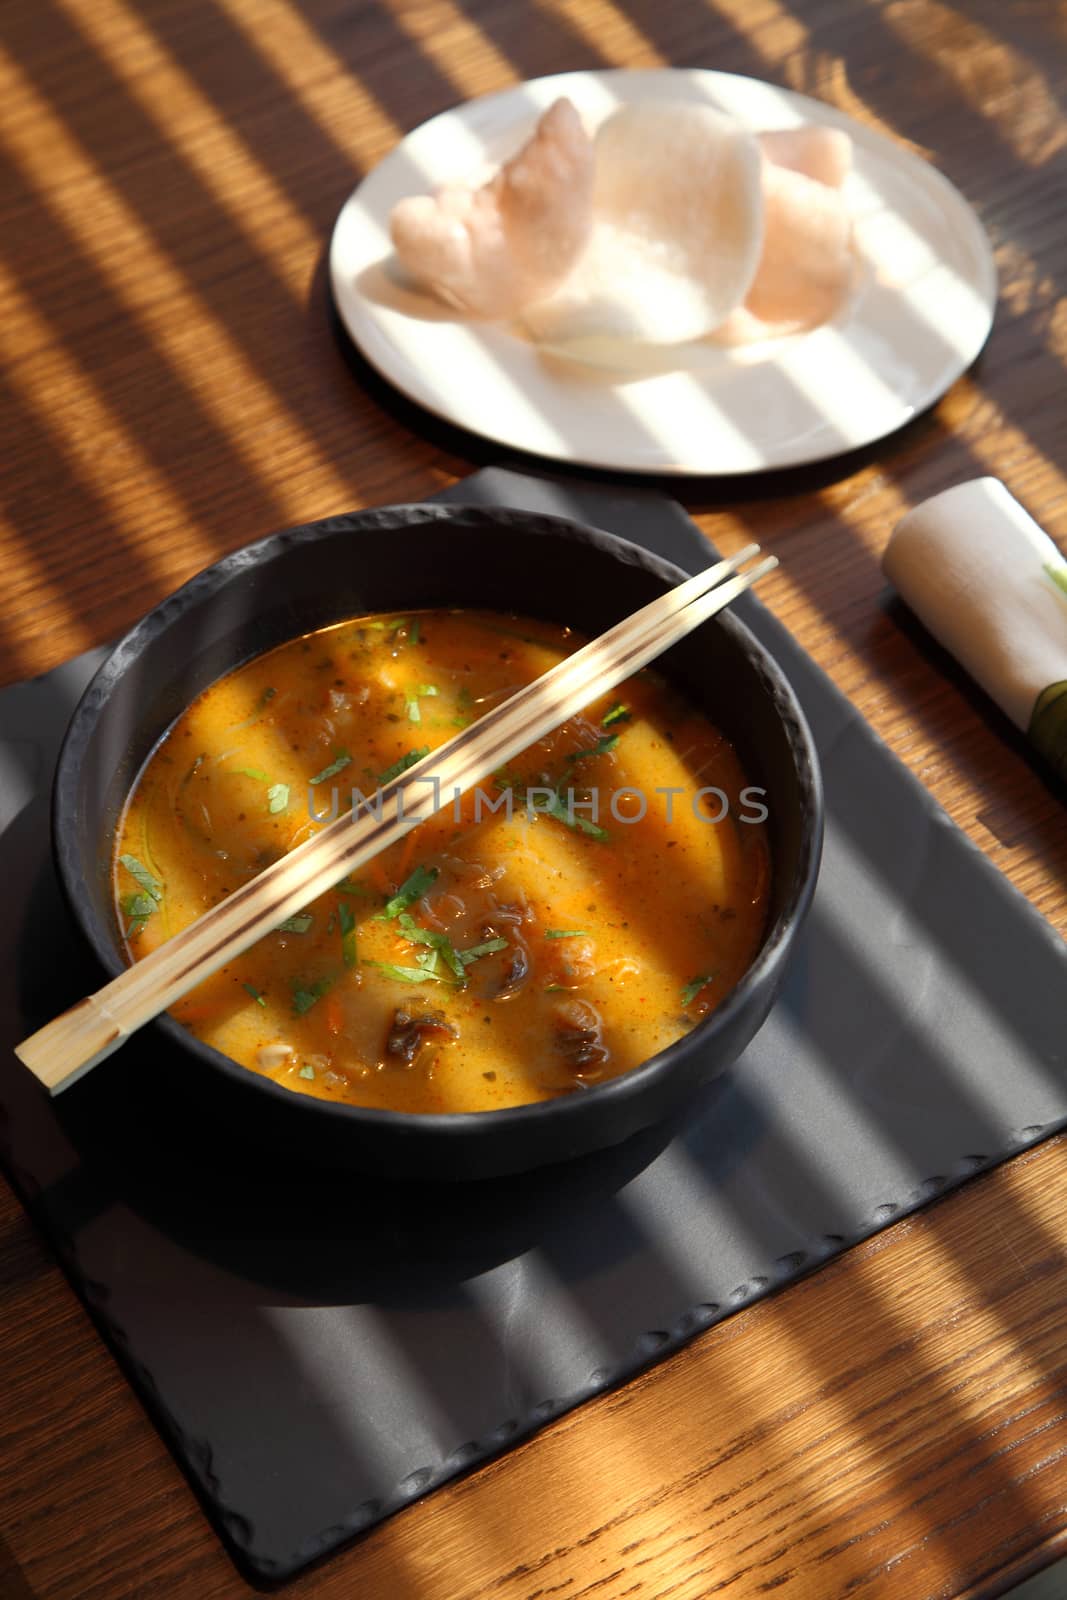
(399, 559)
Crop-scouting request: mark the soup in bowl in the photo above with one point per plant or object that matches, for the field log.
(553, 961)
(515, 947)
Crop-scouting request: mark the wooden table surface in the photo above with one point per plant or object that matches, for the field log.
(893, 1425)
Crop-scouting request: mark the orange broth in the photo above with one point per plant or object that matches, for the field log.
(481, 962)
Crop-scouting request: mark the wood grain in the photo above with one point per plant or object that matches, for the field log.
(173, 387)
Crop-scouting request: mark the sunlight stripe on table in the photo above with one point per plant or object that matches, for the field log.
(1056, 332)
(999, 445)
(997, 83)
(605, 28)
(460, 50)
(327, 88)
(190, 123)
(769, 27)
(95, 443)
(165, 305)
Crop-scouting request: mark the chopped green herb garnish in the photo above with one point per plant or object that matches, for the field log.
(618, 713)
(476, 951)
(265, 698)
(138, 908)
(570, 819)
(298, 924)
(412, 698)
(304, 999)
(1058, 575)
(140, 874)
(403, 764)
(439, 944)
(138, 905)
(694, 986)
(350, 886)
(337, 765)
(257, 994)
(277, 794)
(348, 933)
(401, 974)
(397, 623)
(601, 748)
(566, 933)
(410, 890)
(307, 1071)
(414, 632)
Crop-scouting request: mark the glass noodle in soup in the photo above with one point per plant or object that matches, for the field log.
(556, 927)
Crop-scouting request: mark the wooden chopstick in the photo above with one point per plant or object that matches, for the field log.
(60, 1052)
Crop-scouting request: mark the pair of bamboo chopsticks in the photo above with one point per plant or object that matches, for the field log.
(64, 1049)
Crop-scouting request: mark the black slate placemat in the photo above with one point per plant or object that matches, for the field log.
(320, 1350)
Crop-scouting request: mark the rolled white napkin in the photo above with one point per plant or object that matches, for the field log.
(992, 587)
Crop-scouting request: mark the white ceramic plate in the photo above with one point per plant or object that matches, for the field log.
(921, 310)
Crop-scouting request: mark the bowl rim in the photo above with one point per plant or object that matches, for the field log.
(385, 519)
